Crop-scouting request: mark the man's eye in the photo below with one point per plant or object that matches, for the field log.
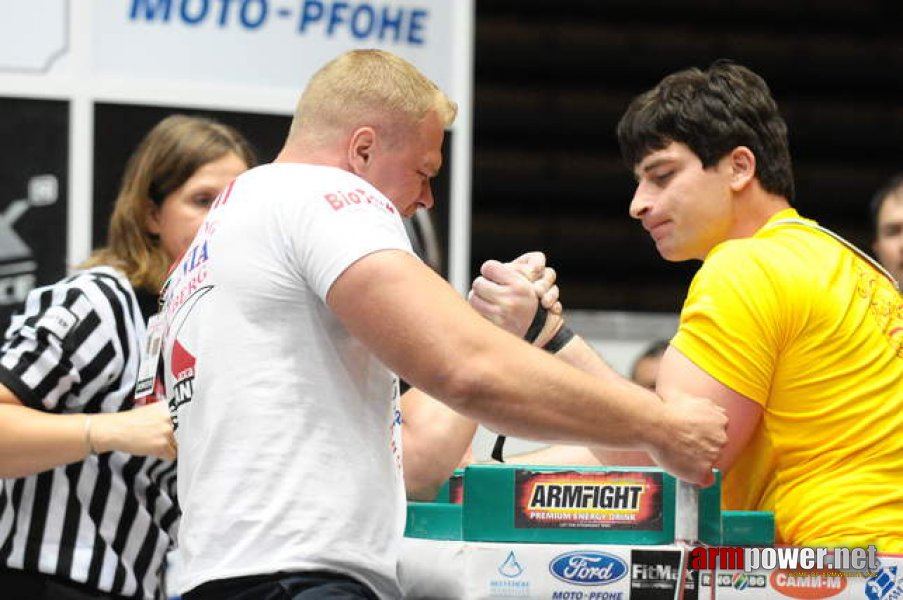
(662, 179)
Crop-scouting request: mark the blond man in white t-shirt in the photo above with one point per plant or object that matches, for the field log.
(287, 322)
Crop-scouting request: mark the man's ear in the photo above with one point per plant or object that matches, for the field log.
(361, 147)
(743, 167)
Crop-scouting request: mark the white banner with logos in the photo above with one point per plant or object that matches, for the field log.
(266, 43)
(449, 570)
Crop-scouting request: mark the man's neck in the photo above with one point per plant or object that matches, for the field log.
(309, 150)
(753, 213)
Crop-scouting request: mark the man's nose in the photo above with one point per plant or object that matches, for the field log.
(426, 198)
(639, 204)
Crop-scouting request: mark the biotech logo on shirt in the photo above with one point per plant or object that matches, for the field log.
(358, 197)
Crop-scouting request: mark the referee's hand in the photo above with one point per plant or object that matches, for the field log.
(142, 431)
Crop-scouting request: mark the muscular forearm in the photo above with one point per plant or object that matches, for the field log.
(435, 341)
(426, 333)
(581, 355)
(521, 393)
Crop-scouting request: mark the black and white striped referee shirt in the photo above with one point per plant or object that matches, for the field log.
(108, 521)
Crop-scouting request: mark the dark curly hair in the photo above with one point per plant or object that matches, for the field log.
(712, 112)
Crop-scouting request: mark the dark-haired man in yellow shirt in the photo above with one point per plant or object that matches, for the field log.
(796, 333)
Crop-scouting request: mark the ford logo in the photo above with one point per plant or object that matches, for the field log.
(588, 568)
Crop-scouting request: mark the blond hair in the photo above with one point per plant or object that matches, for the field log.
(165, 159)
(368, 88)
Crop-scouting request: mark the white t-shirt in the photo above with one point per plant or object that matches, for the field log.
(288, 427)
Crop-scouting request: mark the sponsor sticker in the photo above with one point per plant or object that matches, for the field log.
(654, 574)
(588, 567)
(737, 580)
(886, 584)
(808, 584)
(591, 500)
(511, 582)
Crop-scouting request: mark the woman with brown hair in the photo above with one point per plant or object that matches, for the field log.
(88, 500)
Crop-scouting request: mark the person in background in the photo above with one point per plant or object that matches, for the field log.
(87, 499)
(887, 218)
(290, 475)
(645, 368)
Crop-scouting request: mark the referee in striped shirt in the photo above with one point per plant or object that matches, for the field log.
(87, 500)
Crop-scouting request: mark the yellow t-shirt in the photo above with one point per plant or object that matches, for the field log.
(798, 323)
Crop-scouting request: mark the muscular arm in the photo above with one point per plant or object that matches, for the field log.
(679, 375)
(582, 356)
(32, 441)
(435, 439)
(420, 328)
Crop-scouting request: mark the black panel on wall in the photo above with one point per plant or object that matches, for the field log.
(34, 178)
(553, 78)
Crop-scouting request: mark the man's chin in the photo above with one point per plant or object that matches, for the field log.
(673, 254)
(668, 253)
